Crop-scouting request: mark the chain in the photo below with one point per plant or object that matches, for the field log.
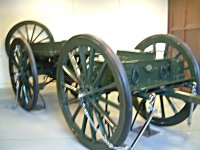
(16, 79)
(17, 75)
(103, 137)
(194, 88)
(152, 101)
(194, 92)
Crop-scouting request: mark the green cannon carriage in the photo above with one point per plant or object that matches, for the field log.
(98, 88)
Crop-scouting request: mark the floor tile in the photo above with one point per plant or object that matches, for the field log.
(47, 129)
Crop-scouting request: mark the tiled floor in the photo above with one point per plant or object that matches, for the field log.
(46, 129)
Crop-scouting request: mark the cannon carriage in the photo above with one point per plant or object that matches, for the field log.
(98, 88)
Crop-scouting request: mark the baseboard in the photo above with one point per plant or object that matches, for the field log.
(5, 85)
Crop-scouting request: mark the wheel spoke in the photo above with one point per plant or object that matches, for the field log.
(93, 132)
(102, 127)
(177, 55)
(15, 62)
(27, 82)
(26, 28)
(18, 89)
(83, 60)
(28, 88)
(76, 112)
(166, 49)
(13, 36)
(24, 59)
(46, 38)
(38, 35)
(103, 89)
(100, 74)
(33, 33)
(84, 124)
(75, 67)
(18, 56)
(90, 61)
(144, 107)
(16, 59)
(105, 116)
(17, 52)
(172, 105)
(70, 73)
(162, 106)
(91, 65)
(29, 91)
(71, 101)
(154, 47)
(110, 130)
(106, 110)
(186, 68)
(171, 108)
(71, 88)
(27, 65)
(20, 60)
(21, 34)
(13, 76)
(25, 94)
(107, 102)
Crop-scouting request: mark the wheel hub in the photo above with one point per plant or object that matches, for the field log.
(86, 95)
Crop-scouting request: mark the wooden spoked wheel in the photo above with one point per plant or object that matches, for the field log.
(90, 74)
(173, 110)
(32, 31)
(23, 73)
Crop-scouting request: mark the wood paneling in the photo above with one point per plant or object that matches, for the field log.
(176, 12)
(184, 22)
(193, 12)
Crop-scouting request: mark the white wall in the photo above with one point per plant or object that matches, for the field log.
(120, 23)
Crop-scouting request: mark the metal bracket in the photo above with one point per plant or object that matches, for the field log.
(147, 133)
(151, 114)
(40, 106)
